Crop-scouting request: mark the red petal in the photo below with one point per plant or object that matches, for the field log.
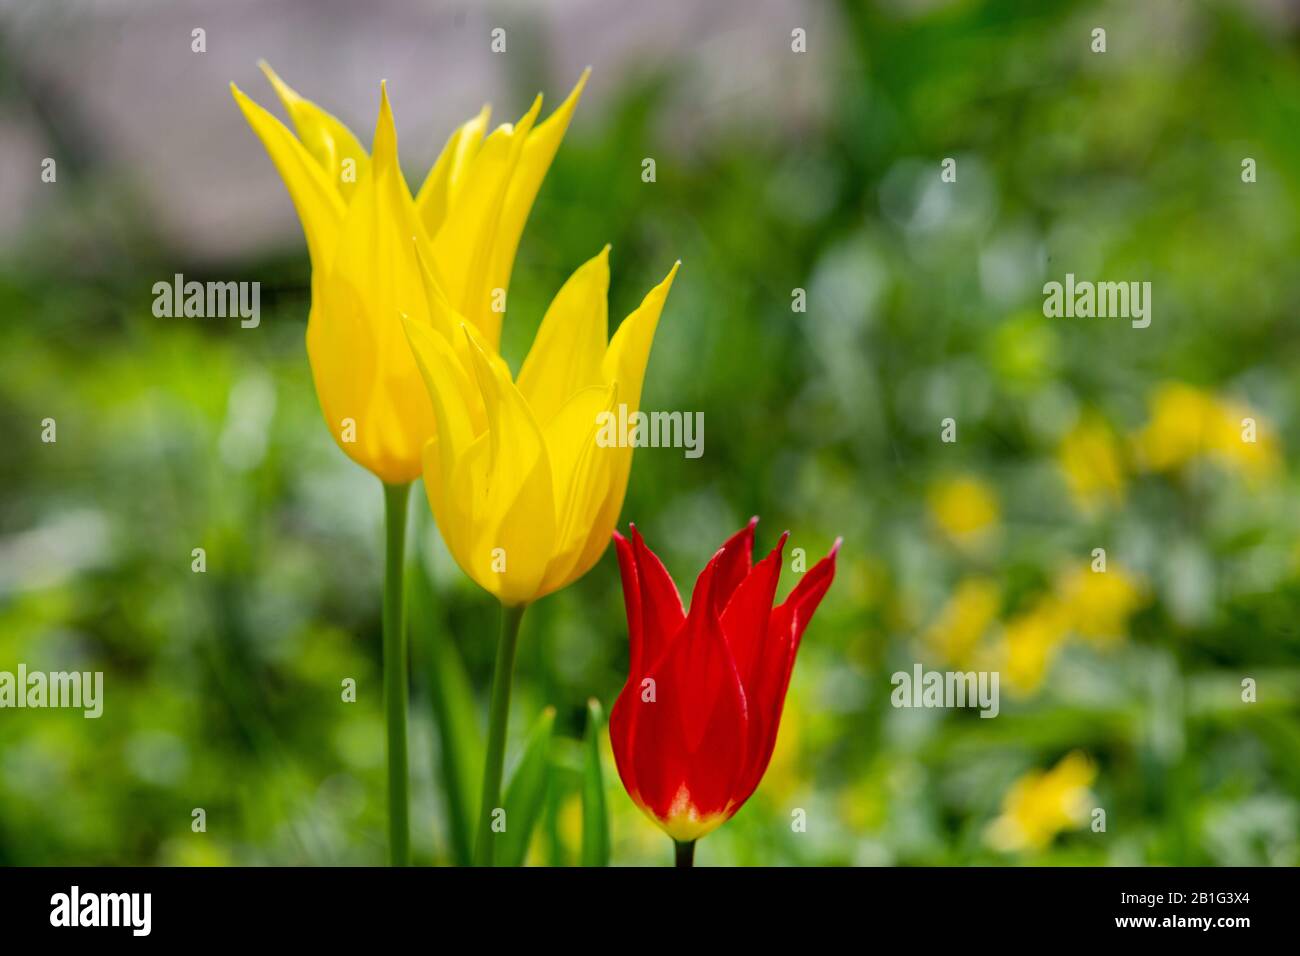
(745, 620)
(620, 737)
(619, 724)
(734, 560)
(772, 672)
(662, 615)
(654, 617)
(631, 598)
(689, 745)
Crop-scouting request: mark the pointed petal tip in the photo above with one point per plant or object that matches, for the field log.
(576, 92)
(246, 103)
(581, 84)
(835, 548)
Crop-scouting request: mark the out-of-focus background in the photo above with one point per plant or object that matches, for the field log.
(775, 171)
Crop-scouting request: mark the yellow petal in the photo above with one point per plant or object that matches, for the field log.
(374, 272)
(448, 172)
(450, 497)
(329, 141)
(538, 152)
(519, 508)
(463, 244)
(566, 355)
(582, 470)
(629, 349)
(624, 364)
(319, 207)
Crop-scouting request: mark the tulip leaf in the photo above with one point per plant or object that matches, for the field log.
(460, 744)
(595, 817)
(526, 793)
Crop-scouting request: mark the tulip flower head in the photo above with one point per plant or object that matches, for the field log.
(524, 494)
(694, 727)
(359, 218)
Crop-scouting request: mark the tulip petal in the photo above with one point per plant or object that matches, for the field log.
(620, 715)
(771, 678)
(688, 743)
(464, 241)
(328, 140)
(746, 616)
(570, 344)
(538, 152)
(629, 350)
(655, 615)
(319, 207)
(519, 508)
(627, 571)
(344, 365)
(735, 559)
(375, 256)
(581, 469)
(624, 363)
(440, 186)
(662, 614)
(704, 652)
(446, 321)
(451, 497)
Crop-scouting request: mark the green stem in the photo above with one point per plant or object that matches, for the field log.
(685, 853)
(395, 679)
(498, 718)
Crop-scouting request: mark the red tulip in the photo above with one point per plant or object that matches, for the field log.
(694, 726)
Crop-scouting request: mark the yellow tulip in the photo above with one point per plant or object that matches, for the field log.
(359, 218)
(525, 495)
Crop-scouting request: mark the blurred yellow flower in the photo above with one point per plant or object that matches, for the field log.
(1090, 457)
(1042, 804)
(972, 609)
(525, 495)
(1245, 442)
(363, 229)
(1100, 603)
(1030, 642)
(1180, 419)
(964, 508)
(1187, 422)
